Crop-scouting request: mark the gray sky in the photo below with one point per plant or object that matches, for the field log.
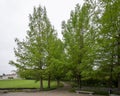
(14, 23)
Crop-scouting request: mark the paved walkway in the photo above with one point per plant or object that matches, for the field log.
(58, 92)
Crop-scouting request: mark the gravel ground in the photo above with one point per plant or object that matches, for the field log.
(50, 93)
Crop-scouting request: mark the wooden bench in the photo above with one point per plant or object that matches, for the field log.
(84, 92)
(113, 95)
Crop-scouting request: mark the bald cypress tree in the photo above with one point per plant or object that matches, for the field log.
(110, 39)
(73, 35)
(31, 53)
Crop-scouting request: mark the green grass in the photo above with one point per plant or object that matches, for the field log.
(24, 84)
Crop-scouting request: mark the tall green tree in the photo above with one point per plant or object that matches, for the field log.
(73, 34)
(102, 58)
(110, 38)
(31, 53)
(58, 65)
(50, 52)
(90, 44)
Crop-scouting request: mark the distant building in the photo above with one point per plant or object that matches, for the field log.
(1, 77)
(8, 76)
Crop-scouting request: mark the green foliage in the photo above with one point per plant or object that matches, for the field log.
(74, 31)
(90, 47)
(108, 38)
(33, 52)
(58, 64)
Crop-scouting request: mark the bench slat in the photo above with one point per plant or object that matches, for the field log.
(86, 92)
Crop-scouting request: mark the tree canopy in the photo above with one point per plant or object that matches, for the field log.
(90, 47)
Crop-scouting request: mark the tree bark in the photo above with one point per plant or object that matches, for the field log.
(111, 72)
(119, 81)
(41, 83)
(58, 83)
(79, 81)
(49, 81)
(118, 61)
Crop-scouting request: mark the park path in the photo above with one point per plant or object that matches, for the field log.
(63, 91)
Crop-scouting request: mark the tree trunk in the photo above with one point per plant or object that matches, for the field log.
(111, 72)
(118, 61)
(49, 81)
(58, 83)
(41, 83)
(119, 81)
(79, 81)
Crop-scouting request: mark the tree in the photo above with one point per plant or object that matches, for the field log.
(73, 32)
(57, 68)
(31, 53)
(90, 41)
(102, 59)
(50, 52)
(105, 43)
(110, 38)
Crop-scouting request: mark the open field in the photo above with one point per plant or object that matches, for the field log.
(23, 84)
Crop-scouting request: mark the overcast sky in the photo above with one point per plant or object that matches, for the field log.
(14, 23)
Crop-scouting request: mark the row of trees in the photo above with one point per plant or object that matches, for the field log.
(92, 41)
(90, 47)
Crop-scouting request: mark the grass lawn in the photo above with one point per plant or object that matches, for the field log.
(24, 84)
